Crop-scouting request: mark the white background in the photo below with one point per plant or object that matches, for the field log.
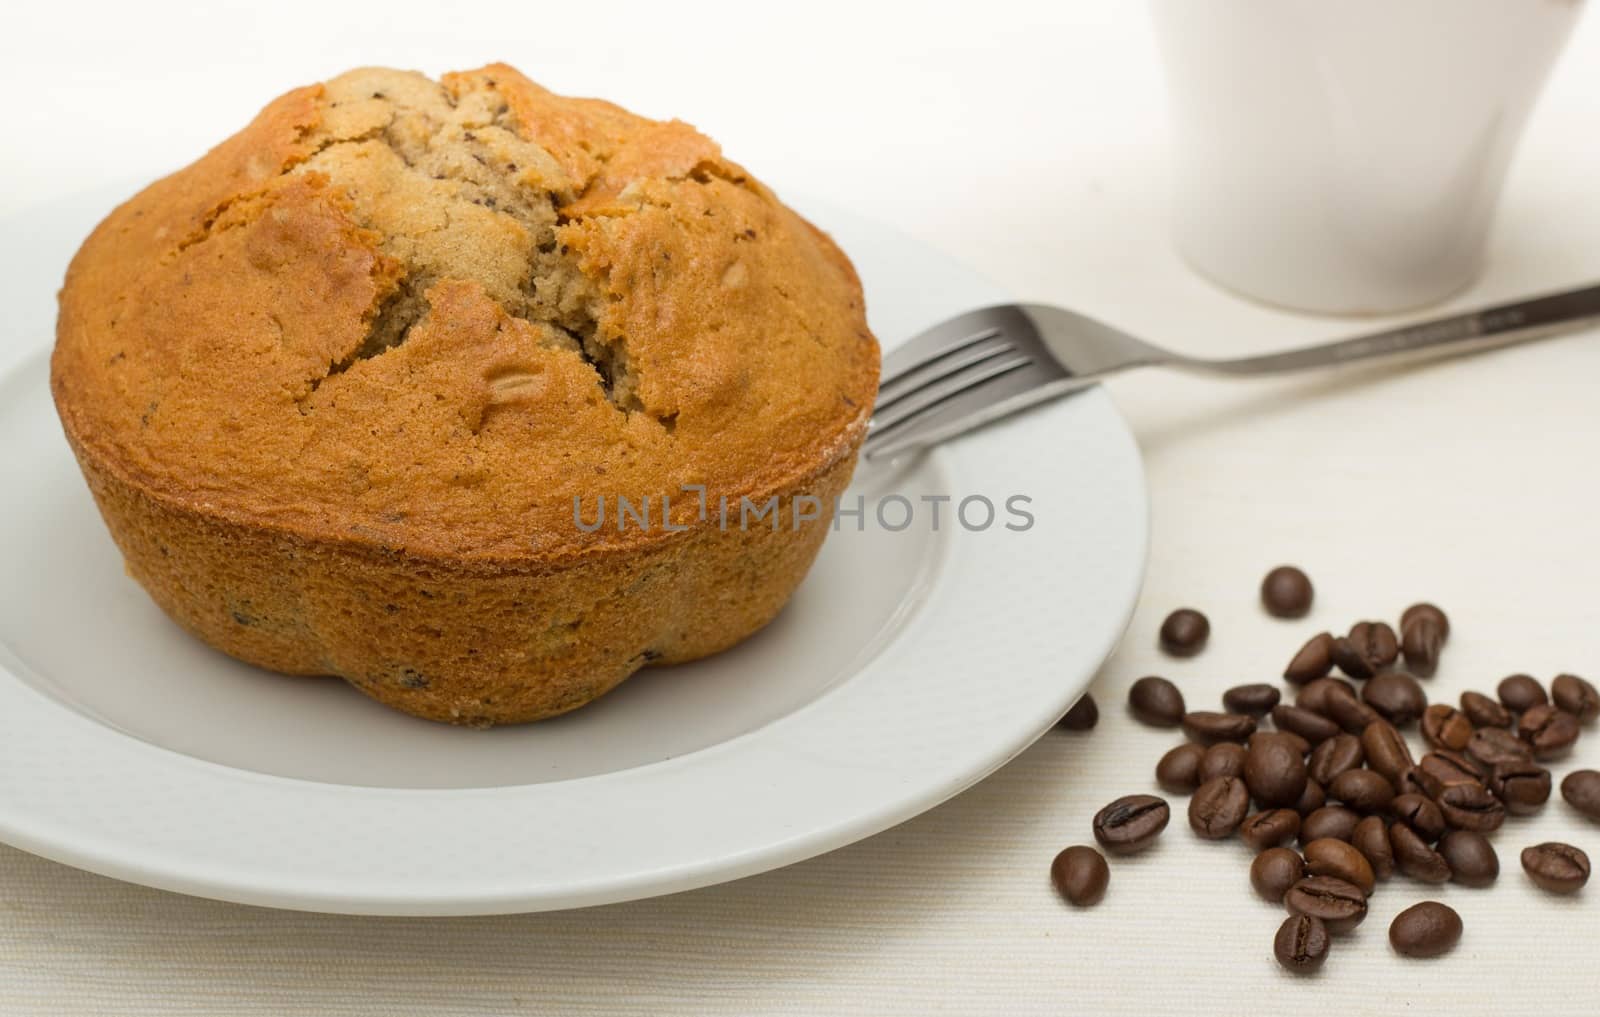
(1027, 140)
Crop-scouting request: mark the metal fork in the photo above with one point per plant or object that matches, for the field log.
(986, 364)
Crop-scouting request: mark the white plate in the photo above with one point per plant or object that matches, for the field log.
(909, 665)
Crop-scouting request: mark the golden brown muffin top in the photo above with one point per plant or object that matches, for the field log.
(426, 316)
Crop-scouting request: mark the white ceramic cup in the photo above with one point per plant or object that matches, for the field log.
(1346, 156)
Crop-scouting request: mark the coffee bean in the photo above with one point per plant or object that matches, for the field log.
(1274, 871)
(1336, 858)
(1315, 695)
(1179, 770)
(1340, 905)
(1270, 829)
(1521, 692)
(1523, 787)
(1371, 838)
(1350, 712)
(1301, 944)
(1421, 642)
(1439, 770)
(1386, 749)
(1208, 727)
(1156, 702)
(1416, 612)
(1286, 592)
(1336, 755)
(1414, 782)
(1414, 858)
(1559, 868)
(1312, 661)
(1333, 821)
(1313, 727)
(1483, 711)
(1347, 657)
(1420, 814)
(1548, 731)
(1396, 696)
(1256, 700)
(1363, 790)
(1471, 857)
(1130, 823)
(1493, 746)
(1300, 744)
(1225, 759)
(1369, 648)
(1083, 715)
(1581, 789)
(1274, 772)
(1185, 632)
(1471, 807)
(1218, 807)
(1445, 727)
(1576, 696)
(1080, 875)
(1454, 767)
(1311, 799)
(1428, 929)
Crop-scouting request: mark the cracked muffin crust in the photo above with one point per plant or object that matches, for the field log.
(337, 385)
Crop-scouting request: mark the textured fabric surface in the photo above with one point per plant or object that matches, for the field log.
(949, 913)
(1469, 482)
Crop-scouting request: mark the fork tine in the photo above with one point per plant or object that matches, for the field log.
(947, 336)
(964, 411)
(914, 402)
(959, 374)
(984, 346)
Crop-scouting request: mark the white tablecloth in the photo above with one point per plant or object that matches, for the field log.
(1028, 140)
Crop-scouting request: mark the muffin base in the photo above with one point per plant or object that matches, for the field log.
(474, 643)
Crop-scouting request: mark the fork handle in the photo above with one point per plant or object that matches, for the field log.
(1502, 323)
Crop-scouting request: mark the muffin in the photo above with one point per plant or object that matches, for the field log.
(478, 397)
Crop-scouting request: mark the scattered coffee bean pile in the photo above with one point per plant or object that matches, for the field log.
(1334, 774)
